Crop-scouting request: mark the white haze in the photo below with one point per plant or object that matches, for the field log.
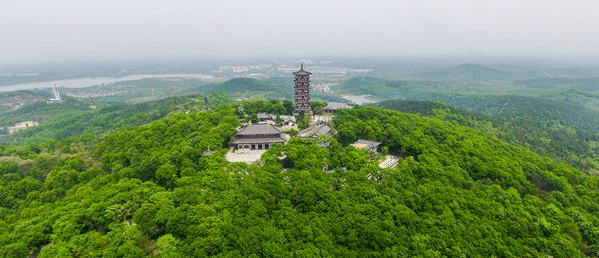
(59, 30)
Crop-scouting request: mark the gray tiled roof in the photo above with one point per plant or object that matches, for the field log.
(315, 130)
(288, 118)
(302, 72)
(369, 144)
(324, 130)
(259, 129)
(265, 116)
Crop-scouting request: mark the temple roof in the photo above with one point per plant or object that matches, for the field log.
(259, 129)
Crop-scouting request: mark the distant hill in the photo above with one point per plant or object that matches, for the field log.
(466, 72)
(544, 83)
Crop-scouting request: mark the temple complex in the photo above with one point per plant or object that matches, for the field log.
(302, 92)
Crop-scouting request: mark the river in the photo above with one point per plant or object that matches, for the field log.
(96, 81)
(359, 99)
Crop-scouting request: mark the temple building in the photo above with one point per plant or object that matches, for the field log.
(302, 92)
(258, 137)
(367, 145)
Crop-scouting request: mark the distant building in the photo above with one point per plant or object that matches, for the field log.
(21, 126)
(332, 107)
(258, 137)
(302, 92)
(288, 120)
(367, 145)
(266, 118)
(316, 129)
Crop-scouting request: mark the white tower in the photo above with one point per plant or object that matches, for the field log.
(56, 94)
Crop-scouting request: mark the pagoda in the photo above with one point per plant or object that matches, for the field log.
(302, 92)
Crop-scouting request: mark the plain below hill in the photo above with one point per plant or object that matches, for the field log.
(464, 72)
(239, 86)
(591, 84)
(270, 88)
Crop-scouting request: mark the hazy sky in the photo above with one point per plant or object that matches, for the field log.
(61, 30)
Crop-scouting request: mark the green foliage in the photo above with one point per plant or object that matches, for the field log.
(425, 108)
(317, 106)
(273, 107)
(164, 148)
(152, 191)
(304, 121)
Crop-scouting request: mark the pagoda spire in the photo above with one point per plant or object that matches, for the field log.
(302, 92)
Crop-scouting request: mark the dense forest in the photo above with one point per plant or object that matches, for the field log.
(163, 189)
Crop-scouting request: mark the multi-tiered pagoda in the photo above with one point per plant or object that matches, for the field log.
(302, 92)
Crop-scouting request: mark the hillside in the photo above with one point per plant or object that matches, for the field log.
(152, 190)
(72, 118)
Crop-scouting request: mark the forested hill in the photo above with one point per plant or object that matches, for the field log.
(156, 190)
(550, 128)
